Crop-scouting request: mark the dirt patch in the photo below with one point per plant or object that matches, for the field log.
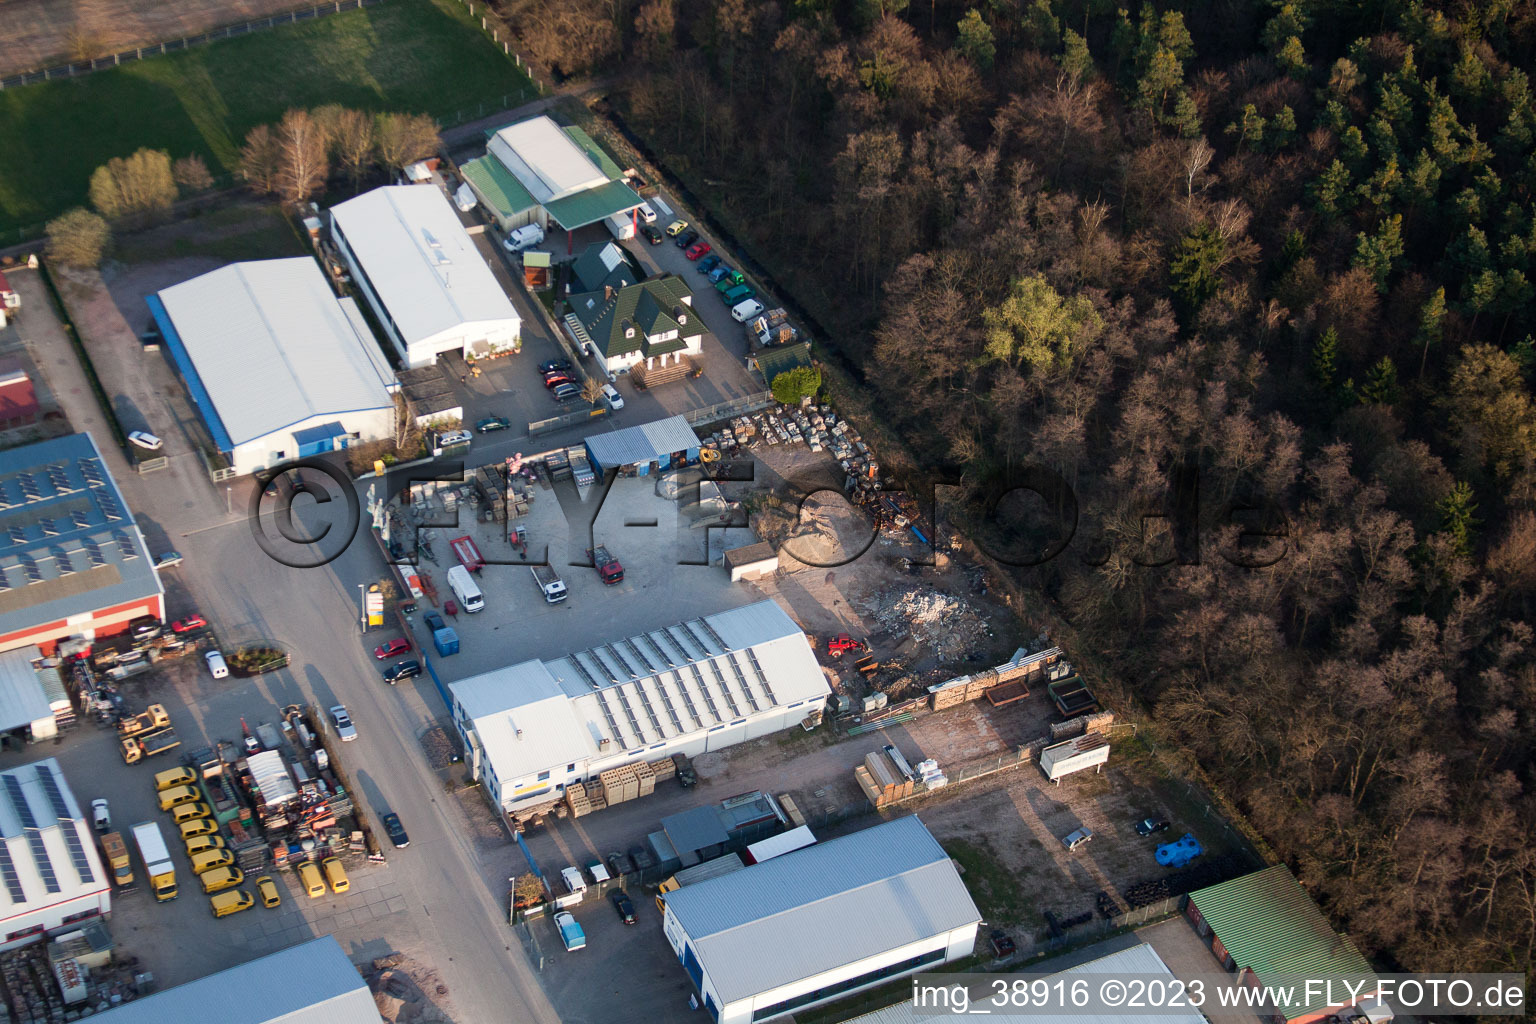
(438, 747)
(42, 33)
(408, 991)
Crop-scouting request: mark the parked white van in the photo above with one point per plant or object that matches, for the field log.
(465, 589)
(523, 237)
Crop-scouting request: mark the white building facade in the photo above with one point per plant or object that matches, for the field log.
(422, 276)
(821, 923)
(534, 728)
(51, 877)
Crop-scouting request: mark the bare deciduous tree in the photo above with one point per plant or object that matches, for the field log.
(191, 173)
(354, 144)
(403, 138)
(140, 186)
(259, 159)
(302, 165)
(78, 238)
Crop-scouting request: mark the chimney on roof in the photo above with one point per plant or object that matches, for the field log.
(607, 293)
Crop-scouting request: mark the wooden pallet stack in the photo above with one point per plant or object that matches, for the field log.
(882, 782)
(645, 776)
(620, 784)
(576, 799)
(664, 769)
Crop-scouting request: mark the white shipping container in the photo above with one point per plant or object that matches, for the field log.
(1062, 759)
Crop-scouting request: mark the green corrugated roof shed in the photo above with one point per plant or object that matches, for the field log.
(594, 153)
(593, 205)
(497, 186)
(1269, 924)
(782, 358)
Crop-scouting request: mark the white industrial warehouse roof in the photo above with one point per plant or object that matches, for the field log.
(274, 347)
(546, 161)
(641, 443)
(1136, 959)
(642, 690)
(821, 908)
(420, 261)
(22, 700)
(47, 854)
(311, 983)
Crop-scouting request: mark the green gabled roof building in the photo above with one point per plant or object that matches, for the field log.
(535, 171)
(640, 323)
(1266, 924)
(770, 362)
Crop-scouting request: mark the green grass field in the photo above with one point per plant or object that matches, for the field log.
(418, 56)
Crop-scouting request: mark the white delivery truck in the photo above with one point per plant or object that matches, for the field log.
(465, 589)
(621, 226)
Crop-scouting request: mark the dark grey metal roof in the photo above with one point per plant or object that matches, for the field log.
(694, 829)
(822, 907)
(645, 442)
(68, 542)
(311, 983)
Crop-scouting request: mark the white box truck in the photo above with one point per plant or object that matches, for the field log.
(465, 589)
(621, 226)
(157, 860)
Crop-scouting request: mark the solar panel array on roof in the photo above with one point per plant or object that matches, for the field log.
(61, 560)
(67, 824)
(93, 551)
(91, 470)
(28, 486)
(34, 837)
(8, 872)
(30, 567)
(125, 545)
(109, 506)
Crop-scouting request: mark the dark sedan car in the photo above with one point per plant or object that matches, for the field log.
(652, 233)
(1150, 826)
(686, 239)
(396, 831)
(554, 364)
(404, 670)
(434, 621)
(622, 904)
(493, 423)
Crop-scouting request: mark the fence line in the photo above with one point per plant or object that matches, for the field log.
(726, 410)
(570, 419)
(86, 67)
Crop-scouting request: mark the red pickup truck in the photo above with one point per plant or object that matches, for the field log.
(608, 567)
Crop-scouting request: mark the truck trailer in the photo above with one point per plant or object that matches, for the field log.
(549, 582)
(467, 552)
(154, 717)
(157, 860)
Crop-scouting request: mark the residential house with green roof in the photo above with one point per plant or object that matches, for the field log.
(537, 172)
(650, 324)
(1265, 927)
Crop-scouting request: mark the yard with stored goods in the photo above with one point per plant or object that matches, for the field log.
(413, 56)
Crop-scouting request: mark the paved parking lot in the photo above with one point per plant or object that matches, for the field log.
(657, 590)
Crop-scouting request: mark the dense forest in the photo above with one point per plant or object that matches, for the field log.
(1282, 248)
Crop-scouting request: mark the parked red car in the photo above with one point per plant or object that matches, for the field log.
(555, 380)
(399, 645)
(697, 250)
(188, 624)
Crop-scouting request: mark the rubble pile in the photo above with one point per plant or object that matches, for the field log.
(940, 623)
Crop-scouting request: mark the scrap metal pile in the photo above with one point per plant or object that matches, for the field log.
(939, 622)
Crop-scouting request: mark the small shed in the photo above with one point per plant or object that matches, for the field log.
(1062, 759)
(752, 562)
(642, 449)
(536, 269)
(24, 702)
(696, 834)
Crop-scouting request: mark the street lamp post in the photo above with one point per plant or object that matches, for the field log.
(362, 603)
(229, 500)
